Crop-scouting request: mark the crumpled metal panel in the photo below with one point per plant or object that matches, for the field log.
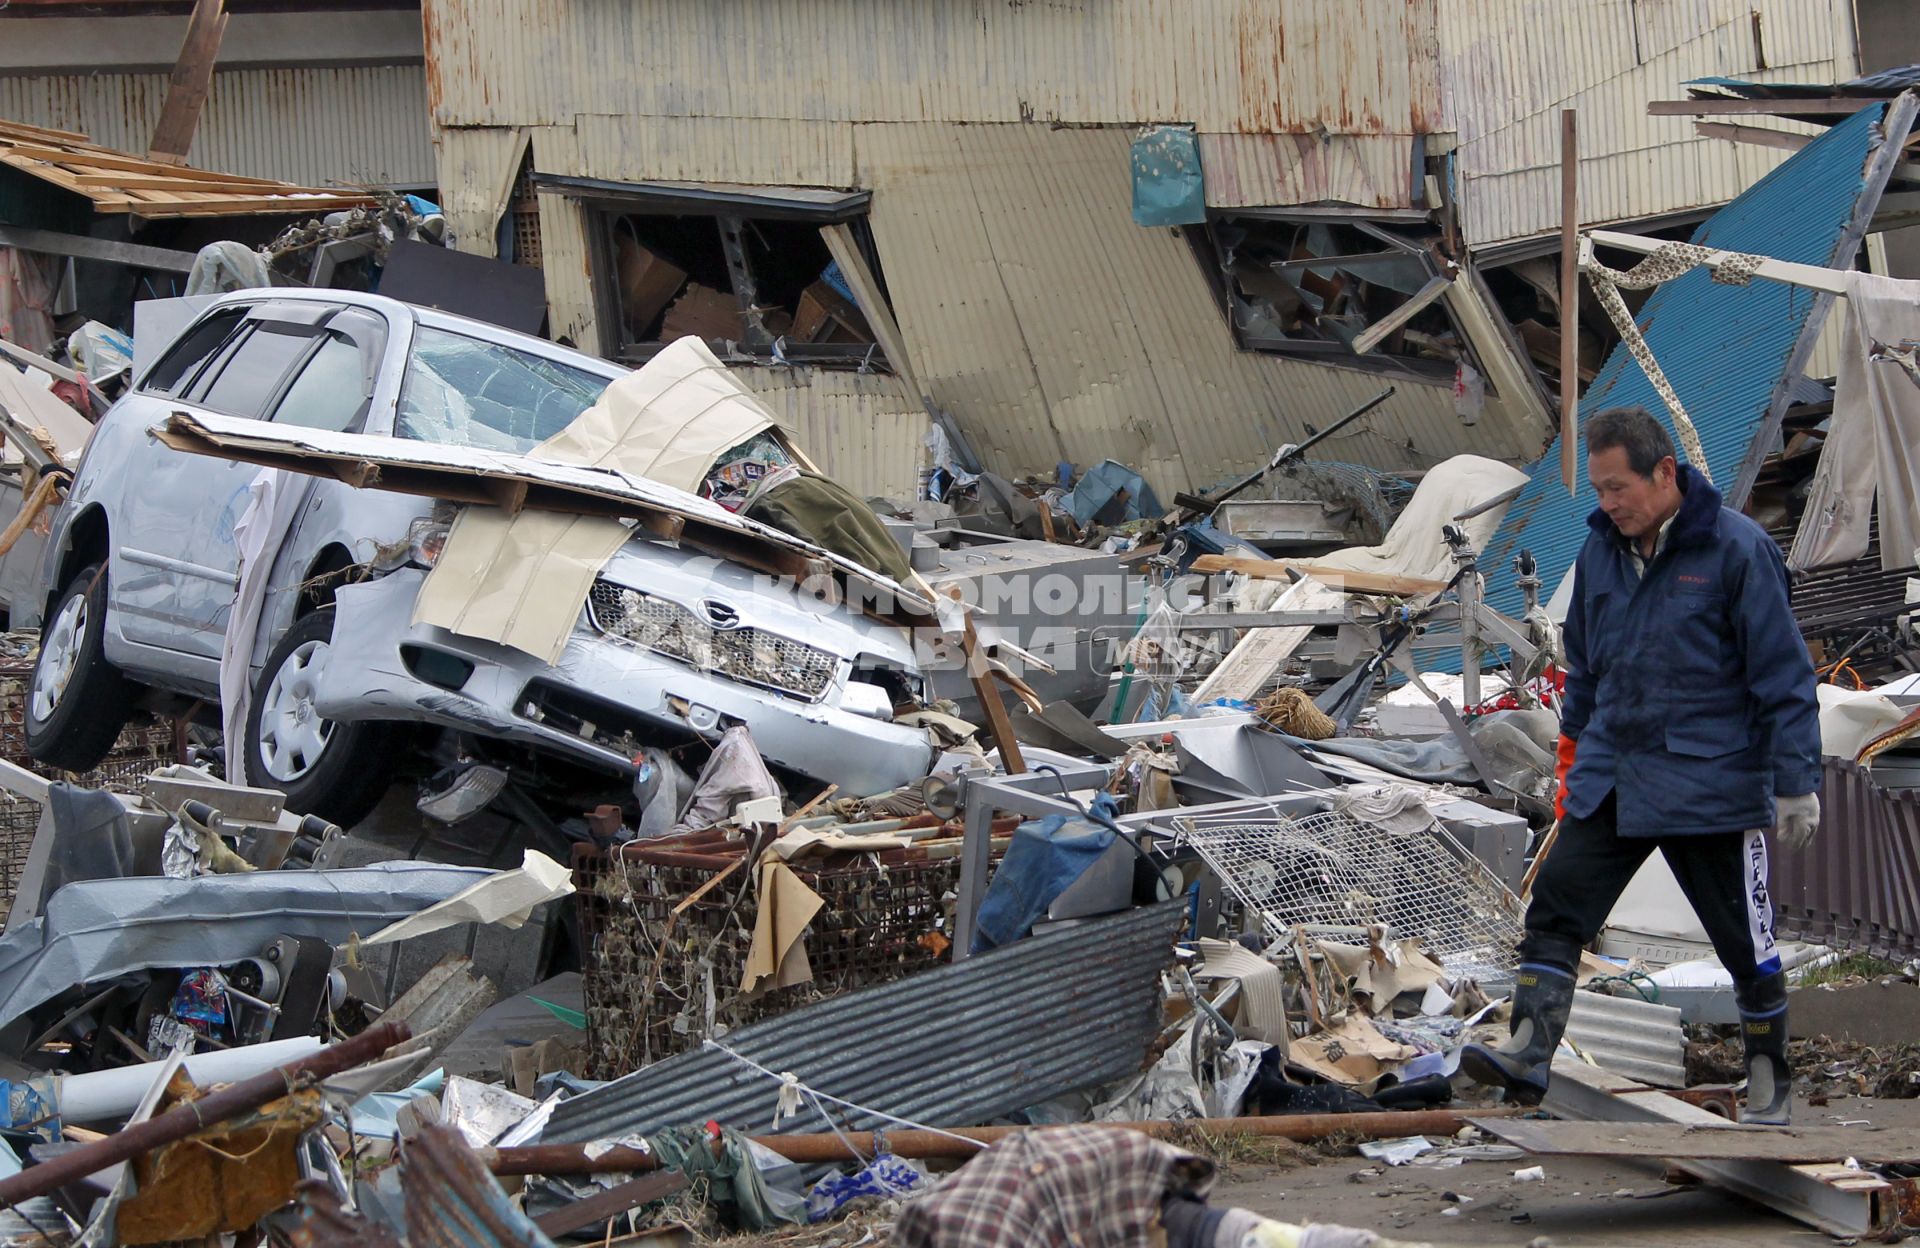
(93, 929)
(1858, 885)
(957, 1046)
(453, 1202)
(1725, 348)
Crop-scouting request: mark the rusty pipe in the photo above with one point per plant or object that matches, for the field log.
(932, 1145)
(190, 1116)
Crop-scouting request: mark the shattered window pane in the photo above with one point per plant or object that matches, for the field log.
(460, 391)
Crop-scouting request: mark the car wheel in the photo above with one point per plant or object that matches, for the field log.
(78, 702)
(337, 771)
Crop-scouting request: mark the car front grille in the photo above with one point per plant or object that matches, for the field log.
(749, 655)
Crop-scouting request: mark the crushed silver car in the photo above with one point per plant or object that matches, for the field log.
(143, 567)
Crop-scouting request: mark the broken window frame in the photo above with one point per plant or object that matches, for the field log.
(733, 210)
(1212, 256)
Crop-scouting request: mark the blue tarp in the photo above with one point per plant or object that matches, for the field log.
(1167, 185)
(1046, 857)
(1726, 349)
(1100, 483)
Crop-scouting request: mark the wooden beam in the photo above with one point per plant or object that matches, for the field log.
(76, 163)
(1333, 578)
(866, 295)
(1569, 295)
(137, 255)
(1377, 332)
(8, 129)
(1765, 108)
(1810, 276)
(192, 80)
(240, 206)
(1756, 136)
(168, 182)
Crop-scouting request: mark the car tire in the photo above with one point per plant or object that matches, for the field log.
(337, 771)
(77, 702)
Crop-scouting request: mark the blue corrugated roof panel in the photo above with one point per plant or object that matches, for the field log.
(1724, 348)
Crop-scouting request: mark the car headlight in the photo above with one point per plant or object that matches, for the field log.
(750, 655)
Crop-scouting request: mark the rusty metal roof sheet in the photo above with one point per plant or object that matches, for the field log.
(1730, 351)
(961, 1045)
(122, 182)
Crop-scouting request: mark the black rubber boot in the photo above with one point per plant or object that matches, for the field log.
(1763, 1028)
(1542, 999)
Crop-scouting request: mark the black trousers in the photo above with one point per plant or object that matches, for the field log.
(1724, 876)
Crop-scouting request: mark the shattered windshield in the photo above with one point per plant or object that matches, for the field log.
(461, 391)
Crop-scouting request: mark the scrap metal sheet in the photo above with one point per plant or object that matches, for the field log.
(958, 1046)
(94, 929)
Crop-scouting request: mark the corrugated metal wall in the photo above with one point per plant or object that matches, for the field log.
(477, 169)
(1053, 327)
(1222, 65)
(317, 127)
(1607, 58)
(1049, 324)
(1255, 170)
(863, 431)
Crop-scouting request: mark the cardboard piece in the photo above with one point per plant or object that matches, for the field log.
(825, 315)
(778, 957)
(647, 284)
(1352, 1053)
(1382, 972)
(703, 312)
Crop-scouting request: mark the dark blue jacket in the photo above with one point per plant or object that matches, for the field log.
(1690, 691)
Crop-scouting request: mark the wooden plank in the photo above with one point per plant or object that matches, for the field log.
(51, 243)
(1569, 295)
(1767, 108)
(192, 80)
(1259, 654)
(611, 1203)
(105, 158)
(866, 294)
(12, 129)
(167, 182)
(1378, 331)
(1690, 1141)
(1333, 578)
(1781, 140)
(250, 205)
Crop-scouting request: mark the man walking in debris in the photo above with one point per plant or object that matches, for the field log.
(1690, 726)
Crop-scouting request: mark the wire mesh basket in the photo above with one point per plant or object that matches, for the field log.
(665, 953)
(144, 747)
(1332, 870)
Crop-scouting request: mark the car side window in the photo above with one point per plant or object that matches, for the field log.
(176, 369)
(247, 378)
(330, 392)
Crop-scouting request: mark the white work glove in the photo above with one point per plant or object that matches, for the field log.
(1795, 820)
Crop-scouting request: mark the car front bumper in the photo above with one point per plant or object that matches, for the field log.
(596, 704)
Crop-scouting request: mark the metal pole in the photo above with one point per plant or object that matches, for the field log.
(191, 1116)
(931, 1145)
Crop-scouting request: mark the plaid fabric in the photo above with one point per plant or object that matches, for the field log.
(1084, 1186)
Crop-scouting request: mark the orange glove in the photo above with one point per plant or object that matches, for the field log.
(1563, 763)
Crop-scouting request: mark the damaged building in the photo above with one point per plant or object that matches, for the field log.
(1341, 194)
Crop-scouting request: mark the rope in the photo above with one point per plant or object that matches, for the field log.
(1291, 711)
(791, 1085)
(1670, 261)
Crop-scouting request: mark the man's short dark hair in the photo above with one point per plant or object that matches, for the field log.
(1635, 430)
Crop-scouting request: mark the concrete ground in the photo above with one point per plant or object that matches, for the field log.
(1584, 1201)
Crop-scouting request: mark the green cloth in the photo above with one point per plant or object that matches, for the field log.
(834, 518)
(733, 1181)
